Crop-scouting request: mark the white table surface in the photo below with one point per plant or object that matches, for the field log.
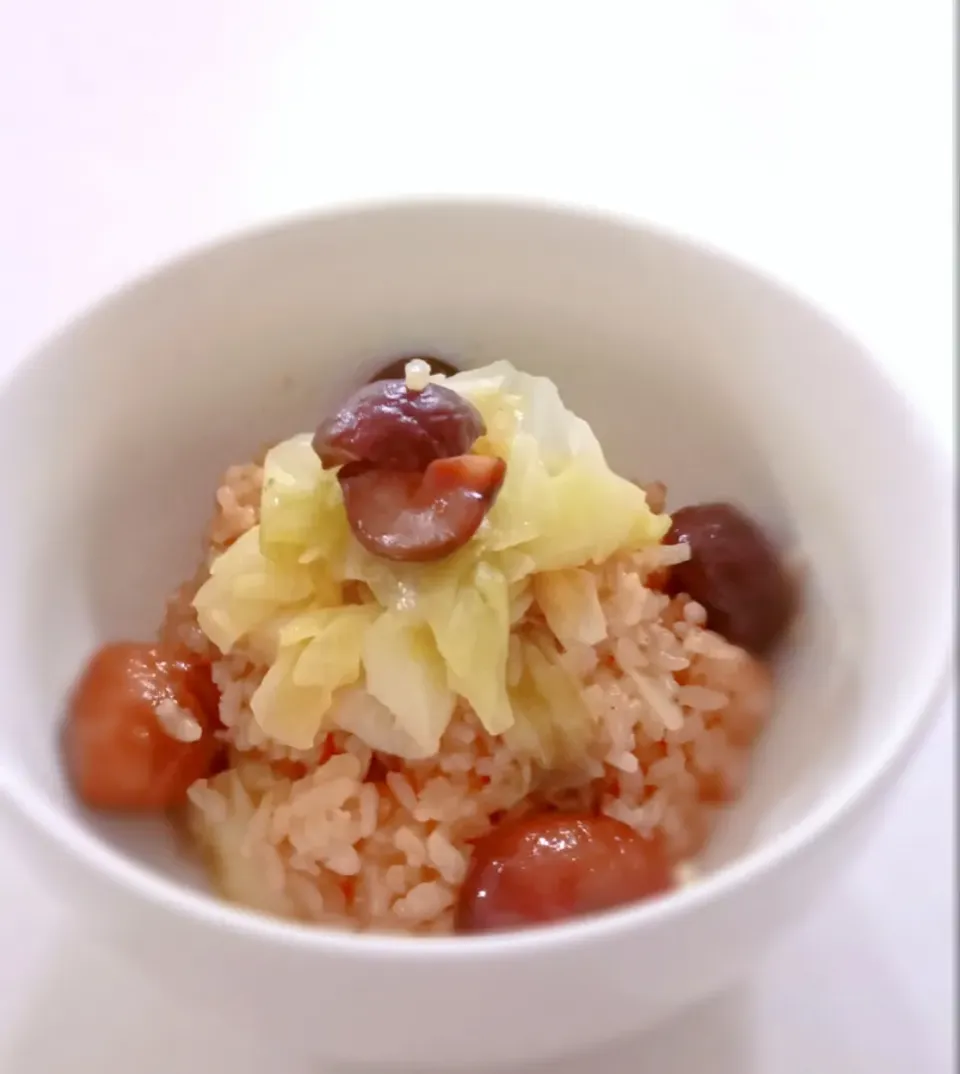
(812, 136)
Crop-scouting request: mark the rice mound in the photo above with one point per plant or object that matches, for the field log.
(345, 836)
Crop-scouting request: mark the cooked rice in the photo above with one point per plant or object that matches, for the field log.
(179, 723)
(344, 836)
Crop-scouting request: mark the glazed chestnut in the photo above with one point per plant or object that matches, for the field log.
(388, 425)
(411, 517)
(550, 867)
(396, 369)
(140, 728)
(735, 572)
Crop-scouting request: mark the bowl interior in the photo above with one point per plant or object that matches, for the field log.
(691, 369)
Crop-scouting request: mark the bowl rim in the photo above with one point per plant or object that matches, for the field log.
(838, 806)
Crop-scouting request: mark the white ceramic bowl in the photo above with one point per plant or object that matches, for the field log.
(692, 368)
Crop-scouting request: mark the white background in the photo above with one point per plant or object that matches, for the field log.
(811, 136)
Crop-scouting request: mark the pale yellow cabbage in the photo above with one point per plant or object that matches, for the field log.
(561, 504)
(335, 638)
(406, 674)
(571, 605)
(354, 710)
(435, 631)
(289, 562)
(319, 652)
(470, 620)
(551, 721)
(301, 507)
(288, 712)
(245, 591)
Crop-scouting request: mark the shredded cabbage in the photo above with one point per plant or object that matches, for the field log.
(246, 591)
(356, 711)
(470, 621)
(319, 652)
(561, 505)
(335, 639)
(406, 674)
(571, 605)
(551, 720)
(429, 633)
(286, 710)
(301, 508)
